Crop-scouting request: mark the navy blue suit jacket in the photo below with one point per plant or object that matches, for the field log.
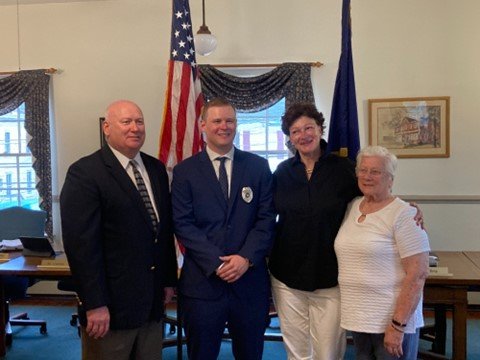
(208, 227)
(116, 258)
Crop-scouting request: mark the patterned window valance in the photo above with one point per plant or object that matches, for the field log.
(32, 88)
(251, 94)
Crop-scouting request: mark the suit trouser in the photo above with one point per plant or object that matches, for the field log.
(205, 322)
(310, 322)
(144, 343)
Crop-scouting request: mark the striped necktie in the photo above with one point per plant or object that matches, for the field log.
(142, 189)
(222, 176)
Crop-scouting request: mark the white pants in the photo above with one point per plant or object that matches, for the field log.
(310, 322)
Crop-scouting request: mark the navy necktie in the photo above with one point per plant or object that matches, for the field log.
(222, 176)
(142, 189)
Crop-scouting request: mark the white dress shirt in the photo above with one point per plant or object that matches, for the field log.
(216, 164)
(125, 162)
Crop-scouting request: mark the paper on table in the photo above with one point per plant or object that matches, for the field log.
(439, 271)
(57, 264)
(10, 245)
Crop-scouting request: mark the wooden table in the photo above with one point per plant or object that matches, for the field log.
(23, 266)
(452, 291)
(473, 256)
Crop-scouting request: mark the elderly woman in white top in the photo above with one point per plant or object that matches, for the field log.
(383, 263)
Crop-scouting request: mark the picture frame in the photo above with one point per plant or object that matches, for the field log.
(417, 127)
(103, 141)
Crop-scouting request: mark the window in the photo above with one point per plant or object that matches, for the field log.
(261, 134)
(7, 142)
(253, 87)
(17, 184)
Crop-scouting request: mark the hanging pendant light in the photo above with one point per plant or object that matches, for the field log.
(205, 42)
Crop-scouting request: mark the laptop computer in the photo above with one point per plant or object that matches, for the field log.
(37, 246)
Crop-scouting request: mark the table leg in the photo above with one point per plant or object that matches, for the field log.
(457, 297)
(439, 343)
(2, 319)
(459, 327)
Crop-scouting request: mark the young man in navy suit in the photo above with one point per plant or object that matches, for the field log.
(118, 237)
(224, 217)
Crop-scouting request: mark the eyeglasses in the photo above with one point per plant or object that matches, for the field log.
(371, 172)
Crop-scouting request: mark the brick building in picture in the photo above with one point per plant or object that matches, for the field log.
(413, 132)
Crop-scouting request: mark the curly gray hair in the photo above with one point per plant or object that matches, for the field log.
(390, 160)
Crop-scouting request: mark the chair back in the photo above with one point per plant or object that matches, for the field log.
(17, 221)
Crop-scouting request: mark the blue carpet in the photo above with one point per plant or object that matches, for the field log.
(62, 342)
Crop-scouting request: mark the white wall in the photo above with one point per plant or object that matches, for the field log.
(119, 49)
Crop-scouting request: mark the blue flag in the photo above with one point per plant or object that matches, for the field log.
(343, 138)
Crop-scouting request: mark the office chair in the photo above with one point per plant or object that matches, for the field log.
(69, 285)
(15, 222)
(272, 314)
(174, 320)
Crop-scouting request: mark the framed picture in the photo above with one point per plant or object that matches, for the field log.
(411, 127)
(103, 141)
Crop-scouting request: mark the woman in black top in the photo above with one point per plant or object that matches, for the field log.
(312, 191)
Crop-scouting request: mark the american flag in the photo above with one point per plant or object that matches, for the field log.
(180, 135)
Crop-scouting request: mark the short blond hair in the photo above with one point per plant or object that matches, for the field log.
(216, 102)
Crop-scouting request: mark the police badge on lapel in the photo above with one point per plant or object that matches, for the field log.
(247, 194)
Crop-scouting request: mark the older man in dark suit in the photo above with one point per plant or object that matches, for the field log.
(223, 215)
(117, 233)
